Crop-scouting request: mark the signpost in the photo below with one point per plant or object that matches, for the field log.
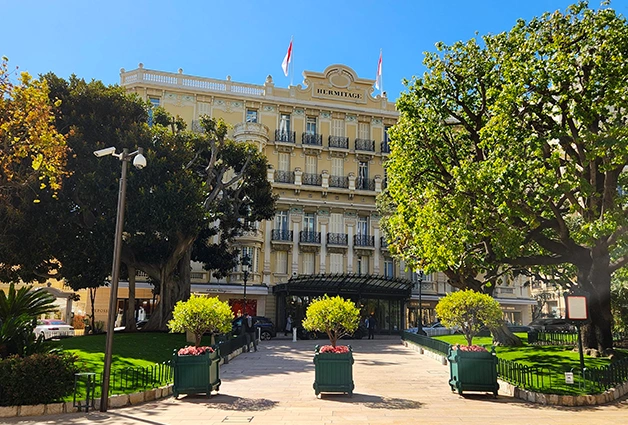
(578, 313)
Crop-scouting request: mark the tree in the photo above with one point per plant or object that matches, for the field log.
(335, 316)
(469, 310)
(200, 315)
(519, 155)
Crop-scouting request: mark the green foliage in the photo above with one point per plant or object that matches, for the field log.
(335, 316)
(200, 315)
(36, 379)
(469, 310)
(19, 310)
(619, 302)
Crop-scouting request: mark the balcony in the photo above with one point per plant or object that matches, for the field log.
(383, 243)
(309, 237)
(312, 179)
(281, 235)
(285, 136)
(365, 145)
(284, 176)
(385, 147)
(339, 181)
(339, 239)
(364, 184)
(248, 130)
(339, 142)
(364, 241)
(312, 139)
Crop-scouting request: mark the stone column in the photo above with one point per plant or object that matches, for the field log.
(350, 231)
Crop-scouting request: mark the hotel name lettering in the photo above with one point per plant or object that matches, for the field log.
(339, 93)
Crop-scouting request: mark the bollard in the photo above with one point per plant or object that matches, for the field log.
(294, 334)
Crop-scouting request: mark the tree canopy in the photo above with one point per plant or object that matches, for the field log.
(510, 153)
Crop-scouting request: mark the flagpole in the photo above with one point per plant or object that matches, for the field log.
(381, 76)
(292, 61)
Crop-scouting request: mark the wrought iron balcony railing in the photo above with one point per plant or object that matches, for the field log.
(337, 239)
(281, 235)
(338, 142)
(363, 240)
(285, 136)
(309, 237)
(312, 179)
(383, 243)
(312, 139)
(339, 181)
(365, 145)
(364, 184)
(284, 176)
(385, 147)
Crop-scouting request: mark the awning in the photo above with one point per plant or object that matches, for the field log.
(346, 284)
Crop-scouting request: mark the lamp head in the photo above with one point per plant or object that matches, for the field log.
(104, 152)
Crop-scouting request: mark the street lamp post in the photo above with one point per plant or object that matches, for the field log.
(246, 262)
(139, 161)
(420, 321)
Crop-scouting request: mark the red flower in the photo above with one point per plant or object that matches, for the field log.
(192, 350)
(476, 348)
(340, 349)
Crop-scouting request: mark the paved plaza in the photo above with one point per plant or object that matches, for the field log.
(393, 385)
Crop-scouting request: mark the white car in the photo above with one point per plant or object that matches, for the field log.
(53, 328)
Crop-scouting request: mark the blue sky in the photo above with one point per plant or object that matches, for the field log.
(248, 39)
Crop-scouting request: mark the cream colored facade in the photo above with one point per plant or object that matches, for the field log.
(326, 142)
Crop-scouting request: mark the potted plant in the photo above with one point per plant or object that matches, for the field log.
(472, 368)
(333, 364)
(197, 368)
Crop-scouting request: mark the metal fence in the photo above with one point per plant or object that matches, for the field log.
(427, 342)
(552, 338)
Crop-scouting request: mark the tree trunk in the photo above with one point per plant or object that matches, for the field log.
(502, 336)
(92, 298)
(130, 321)
(597, 333)
(172, 291)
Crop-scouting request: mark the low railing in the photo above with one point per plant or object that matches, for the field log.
(385, 147)
(339, 181)
(365, 145)
(309, 237)
(552, 338)
(427, 342)
(606, 377)
(282, 176)
(340, 142)
(312, 139)
(364, 240)
(524, 376)
(281, 235)
(312, 179)
(285, 136)
(337, 239)
(364, 184)
(383, 243)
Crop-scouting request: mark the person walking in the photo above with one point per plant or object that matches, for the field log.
(249, 331)
(288, 326)
(371, 323)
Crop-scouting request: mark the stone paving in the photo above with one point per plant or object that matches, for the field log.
(393, 385)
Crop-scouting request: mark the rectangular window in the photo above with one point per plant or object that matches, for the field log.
(363, 226)
(389, 268)
(281, 220)
(309, 222)
(284, 161)
(363, 265)
(248, 251)
(251, 115)
(154, 102)
(336, 263)
(282, 262)
(338, 167)
(311, 161)
(284, 124)
(363, 176)
(336, 223)
(386, 139)
(364, 131)
(307, 259)
(310, 125)
(338, 128)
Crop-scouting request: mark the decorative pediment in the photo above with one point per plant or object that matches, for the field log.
(338, 83)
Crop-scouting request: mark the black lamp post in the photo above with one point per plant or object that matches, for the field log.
(246, 262)
(420, 321)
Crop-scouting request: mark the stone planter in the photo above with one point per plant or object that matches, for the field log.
(472, 371)
(333, 372)
(196, 374)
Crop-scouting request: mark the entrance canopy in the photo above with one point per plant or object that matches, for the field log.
(346, 284)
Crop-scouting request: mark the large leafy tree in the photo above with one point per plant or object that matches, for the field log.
(520, 164)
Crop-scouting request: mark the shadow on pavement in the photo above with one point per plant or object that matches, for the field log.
(227, 402)
(373, 401)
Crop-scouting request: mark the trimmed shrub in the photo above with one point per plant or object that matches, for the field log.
(36, 379)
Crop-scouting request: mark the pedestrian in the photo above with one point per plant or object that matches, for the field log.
(288, 326)
(249, 331)
(371, 323)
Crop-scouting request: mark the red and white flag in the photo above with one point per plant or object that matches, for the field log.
(378, 79)
(287, 59)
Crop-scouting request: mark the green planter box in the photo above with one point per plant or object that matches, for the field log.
(333, 372)
(472, 371)
(196, 374)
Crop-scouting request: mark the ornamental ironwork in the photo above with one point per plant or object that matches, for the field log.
(312, 139)
(337, 239)
(285, 136)
(365, 145)
(284, 176)
(309, 237)
(338, 142)
(312, 179)
(339, 181)
(281, 235)
(363, 240)
(385, 147)
(364, 184)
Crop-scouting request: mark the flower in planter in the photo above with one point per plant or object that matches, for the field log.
(200, 315)
(469, 310)
(474, 348)
(192, 350)
(340, 349)
(335, 316)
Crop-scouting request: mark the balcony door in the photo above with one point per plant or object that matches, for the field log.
(363, 226)
(309, 223)
(281, 221)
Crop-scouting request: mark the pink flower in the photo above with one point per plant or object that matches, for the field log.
(476, 348)
(340, 349)
(192, 350)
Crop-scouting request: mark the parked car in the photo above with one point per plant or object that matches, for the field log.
(266, 326)
(53, 328)
(551, 324)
